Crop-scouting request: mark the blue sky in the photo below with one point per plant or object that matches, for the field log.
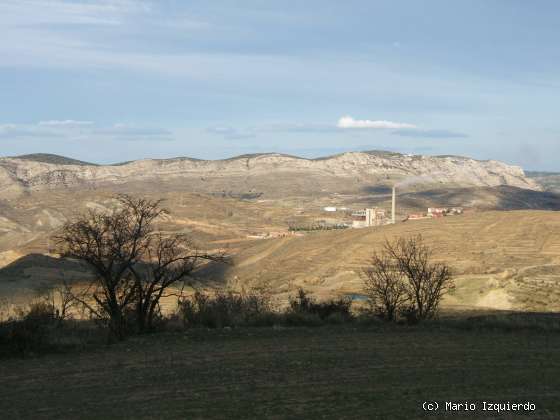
(109, 81)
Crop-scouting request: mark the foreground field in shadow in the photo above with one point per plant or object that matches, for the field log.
(372, 371)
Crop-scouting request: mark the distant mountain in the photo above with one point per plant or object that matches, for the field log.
(270, 175)
(503, 197)
(550, 181)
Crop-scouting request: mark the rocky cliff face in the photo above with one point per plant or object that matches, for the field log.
(271, 174)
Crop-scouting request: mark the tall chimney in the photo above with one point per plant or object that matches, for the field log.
(394, 206)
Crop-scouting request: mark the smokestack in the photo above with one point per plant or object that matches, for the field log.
(394, 206)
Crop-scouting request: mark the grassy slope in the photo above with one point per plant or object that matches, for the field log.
(517, 253)
(329, 372)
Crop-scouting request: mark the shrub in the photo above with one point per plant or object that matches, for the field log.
(226, 309)
(29, 333)
(410, 314)
(37, 330)
(41, 313)
(231, 309)
(301, 303)
(337, 310)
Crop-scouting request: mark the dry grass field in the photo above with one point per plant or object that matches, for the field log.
(502, 260)
(326, 372)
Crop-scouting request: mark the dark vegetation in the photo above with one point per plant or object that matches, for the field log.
(238, 195)
(316, 227)
(244, 309)
(304, 310)
(46, 326)
(54, 159)
(226, 309)
(42, 329)
(378, 189)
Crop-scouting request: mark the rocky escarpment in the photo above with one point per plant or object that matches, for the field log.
(272, 174)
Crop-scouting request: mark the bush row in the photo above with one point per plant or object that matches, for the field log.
(230, 309)
(40, 329)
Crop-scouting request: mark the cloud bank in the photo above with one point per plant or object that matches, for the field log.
(64, 122)
(344, 123)
(82, 130)
(231, 133)
(349, 122)
(430, 134)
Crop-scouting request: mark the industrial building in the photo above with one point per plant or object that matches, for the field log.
(378, 217)
(375, 216)
(417, 216)
(444, 211)
(435, 213)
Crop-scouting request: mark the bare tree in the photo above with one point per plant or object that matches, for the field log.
(404, 278)
(385, 286)
(133, 265)
(170, 259)
(427, 281)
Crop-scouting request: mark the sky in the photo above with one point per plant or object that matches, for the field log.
(111, 81)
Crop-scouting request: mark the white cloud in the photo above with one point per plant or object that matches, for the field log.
(54, 123)
(349, 122)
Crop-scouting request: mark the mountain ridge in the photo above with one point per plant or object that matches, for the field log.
(272, 174)
(52, 158)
